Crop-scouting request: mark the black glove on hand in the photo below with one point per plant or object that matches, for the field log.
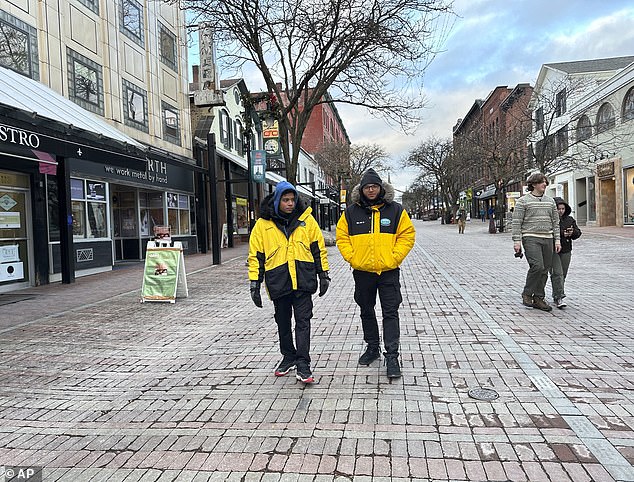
(324, 283)
(255, 293)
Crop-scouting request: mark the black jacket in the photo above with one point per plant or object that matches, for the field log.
(566, 221)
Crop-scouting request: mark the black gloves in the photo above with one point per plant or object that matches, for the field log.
(324, 283)
(255, 293)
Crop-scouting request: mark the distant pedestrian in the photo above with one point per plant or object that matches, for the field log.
(568, 231)
(287, 252)
(482, 216)
(461, 217)
(536, 227)
(374, 234)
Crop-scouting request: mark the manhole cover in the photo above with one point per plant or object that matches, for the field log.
(484, 394)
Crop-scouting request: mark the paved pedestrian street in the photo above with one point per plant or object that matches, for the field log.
(95, 386)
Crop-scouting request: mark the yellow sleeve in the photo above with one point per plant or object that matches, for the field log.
(256, 254)
(405, 237)
(318, 236)
(343, 238)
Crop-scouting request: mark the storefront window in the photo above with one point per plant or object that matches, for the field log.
(628, 208)
(53, 208)
(124, 214)
(592, 203)
(89, 209)
(178, 213)
(151, 204)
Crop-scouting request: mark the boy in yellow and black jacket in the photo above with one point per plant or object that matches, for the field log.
(374, 235)
(287, 251)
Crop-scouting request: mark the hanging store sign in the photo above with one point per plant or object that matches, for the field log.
(258, 166)
(605, 170)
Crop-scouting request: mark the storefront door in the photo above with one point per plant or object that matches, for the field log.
(15, 217)
(125, 224)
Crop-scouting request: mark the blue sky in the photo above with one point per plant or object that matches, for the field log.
(497, 42)
(500, 42)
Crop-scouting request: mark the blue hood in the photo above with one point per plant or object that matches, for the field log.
(281, 188)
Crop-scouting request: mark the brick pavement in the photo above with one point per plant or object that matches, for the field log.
(97, 386)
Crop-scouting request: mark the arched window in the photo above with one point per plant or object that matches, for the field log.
(605, 118)
(584, 128)
(628, 105)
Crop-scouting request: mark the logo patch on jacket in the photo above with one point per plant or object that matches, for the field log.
(386, 222)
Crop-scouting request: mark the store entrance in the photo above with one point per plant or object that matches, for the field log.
(125, 223)
(135, 212)
(15, 217)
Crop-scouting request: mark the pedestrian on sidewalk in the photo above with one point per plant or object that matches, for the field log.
(287, 252)
(374, 234)
(461, 216)
(568, 230)
(536, 226)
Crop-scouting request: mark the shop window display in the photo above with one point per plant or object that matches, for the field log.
(88, 206)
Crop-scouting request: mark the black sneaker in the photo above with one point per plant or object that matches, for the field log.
(304, 375)
(393, 367)
(560, 303)
(284, 368)
(371, 353)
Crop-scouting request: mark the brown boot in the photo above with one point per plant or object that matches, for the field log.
(541, 304)
(527, 300)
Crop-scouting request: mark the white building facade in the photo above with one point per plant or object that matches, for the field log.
(585, 108)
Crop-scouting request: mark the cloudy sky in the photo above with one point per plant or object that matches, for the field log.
(492, 43)
(500, 42)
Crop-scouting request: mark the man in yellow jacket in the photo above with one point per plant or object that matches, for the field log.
(374, 234)
(287, 252)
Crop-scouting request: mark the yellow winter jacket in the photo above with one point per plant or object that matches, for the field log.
(375, 238)
(286, 263)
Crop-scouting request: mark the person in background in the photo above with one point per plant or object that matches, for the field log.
(287, 251)
(461, 216)
(536, 227)
(568, 230)
(374, 234)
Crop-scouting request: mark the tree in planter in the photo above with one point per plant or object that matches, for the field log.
(436, 161)
(363, 53)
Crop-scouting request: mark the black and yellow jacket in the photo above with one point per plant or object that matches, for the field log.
(286, 254)
(375, 238)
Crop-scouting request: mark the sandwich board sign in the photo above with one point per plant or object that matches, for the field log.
(164, 277)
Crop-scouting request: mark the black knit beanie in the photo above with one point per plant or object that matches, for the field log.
(370, 177)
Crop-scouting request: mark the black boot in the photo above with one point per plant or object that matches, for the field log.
(393, 366)
(371, 353)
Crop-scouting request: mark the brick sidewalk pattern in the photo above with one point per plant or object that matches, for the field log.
(96, 386)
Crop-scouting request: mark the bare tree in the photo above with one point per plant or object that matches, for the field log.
(367, 53)
(436, 161)
(349, 162)
(565, 140)
(418, 198)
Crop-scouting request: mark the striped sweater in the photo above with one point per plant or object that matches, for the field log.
(535, 216)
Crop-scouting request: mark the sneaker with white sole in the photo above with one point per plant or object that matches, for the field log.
(284, 368)
(304, 375)
(560, 303)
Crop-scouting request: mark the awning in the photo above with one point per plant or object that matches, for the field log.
(487, 193)
(37, 99)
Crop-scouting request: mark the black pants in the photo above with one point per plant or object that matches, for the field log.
(301, 304)
(388, 286)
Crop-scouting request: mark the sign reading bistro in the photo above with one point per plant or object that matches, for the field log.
(18, 136)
